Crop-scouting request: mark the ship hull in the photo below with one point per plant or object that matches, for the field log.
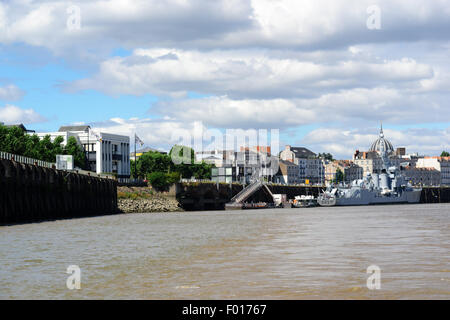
(369, 198)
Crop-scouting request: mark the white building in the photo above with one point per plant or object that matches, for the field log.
(441, 164)
(310, 167)
(244, 165)
(106, 152)
(423, 176)
(288, 173)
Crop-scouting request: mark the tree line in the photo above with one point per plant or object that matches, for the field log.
(16, 141)
(162, 170)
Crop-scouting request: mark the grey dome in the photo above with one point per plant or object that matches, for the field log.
(382, 143)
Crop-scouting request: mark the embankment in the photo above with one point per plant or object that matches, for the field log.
(31, 193)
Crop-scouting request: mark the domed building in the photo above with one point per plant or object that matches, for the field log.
(371, 161)
(382, 144)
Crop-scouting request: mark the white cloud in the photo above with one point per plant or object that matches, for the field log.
(158, 133)
(354, 107)
(10, 114)
(219, 24)
(245, 74)
(11, 93)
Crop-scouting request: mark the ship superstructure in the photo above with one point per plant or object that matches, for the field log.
(387, 186)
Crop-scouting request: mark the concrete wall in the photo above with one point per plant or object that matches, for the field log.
(435, 195)
(210, 196)
(31, 193)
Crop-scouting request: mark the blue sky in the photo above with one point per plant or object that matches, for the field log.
(315, 70)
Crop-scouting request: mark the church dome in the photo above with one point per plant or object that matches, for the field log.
(382, 144)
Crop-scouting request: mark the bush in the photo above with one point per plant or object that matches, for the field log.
(173, 177)
(158, 180)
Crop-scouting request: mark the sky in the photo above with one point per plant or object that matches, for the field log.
(325, 73)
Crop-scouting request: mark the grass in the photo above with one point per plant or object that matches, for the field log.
(141, 194)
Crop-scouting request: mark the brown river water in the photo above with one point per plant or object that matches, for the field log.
(311, 253)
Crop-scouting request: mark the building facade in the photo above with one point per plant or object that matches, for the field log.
(105, 152)
(371, 161)
(310, 168)
(441, 164)
(287, 173)
(423, 176)
(244, 166)
(350, 170)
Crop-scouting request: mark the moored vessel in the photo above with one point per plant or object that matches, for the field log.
(389, 186)
(304, 201)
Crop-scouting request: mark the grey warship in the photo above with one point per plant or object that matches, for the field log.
(389, 186)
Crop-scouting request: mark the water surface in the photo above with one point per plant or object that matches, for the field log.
(313, 253)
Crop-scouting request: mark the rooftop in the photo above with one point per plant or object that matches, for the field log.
(74, 128)
(438, 158)
(287, 163)
(20, 126)
(303, 153)
(382, 144)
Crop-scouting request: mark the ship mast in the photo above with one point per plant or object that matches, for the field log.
(383, 150)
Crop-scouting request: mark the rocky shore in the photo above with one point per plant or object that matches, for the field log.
(154, 204)
(146, 199)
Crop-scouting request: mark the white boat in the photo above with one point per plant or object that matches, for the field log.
(304, 201)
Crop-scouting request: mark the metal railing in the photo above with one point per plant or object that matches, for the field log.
(196, 180)
(247, 192)
(25, 160)
(45, 164)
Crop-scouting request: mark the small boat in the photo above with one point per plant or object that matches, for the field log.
(257, 205)
(248, 205)
(304, 202)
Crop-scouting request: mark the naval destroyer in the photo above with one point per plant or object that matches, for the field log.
(386, 187)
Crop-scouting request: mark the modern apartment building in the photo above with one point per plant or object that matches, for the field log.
(105, 152)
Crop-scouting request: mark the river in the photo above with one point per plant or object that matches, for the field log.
(312, 253)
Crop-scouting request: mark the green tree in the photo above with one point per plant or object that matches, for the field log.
(173, 177)
(73, 148)
(180, 162)
(158, 180)
(184, 158)
(132, 172)
(153, 162)
(445, 154)
(15, 140)
(202, 170)
(326, 156)
(339, 176)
